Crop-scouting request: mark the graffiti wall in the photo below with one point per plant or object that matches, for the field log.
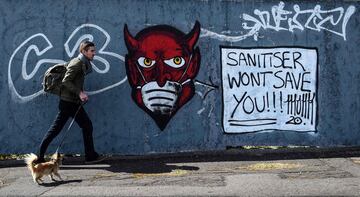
(175, 76)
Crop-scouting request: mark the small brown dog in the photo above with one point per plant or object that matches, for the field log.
(41, 169)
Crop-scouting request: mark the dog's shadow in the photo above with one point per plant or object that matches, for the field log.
(57, 183)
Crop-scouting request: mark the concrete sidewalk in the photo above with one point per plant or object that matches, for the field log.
(284, 172)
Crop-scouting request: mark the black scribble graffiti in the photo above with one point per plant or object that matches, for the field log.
(301, 105)
(208, 87)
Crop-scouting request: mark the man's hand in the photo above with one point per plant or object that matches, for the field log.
(83, 96)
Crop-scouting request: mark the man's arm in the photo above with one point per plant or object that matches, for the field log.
(71, 72)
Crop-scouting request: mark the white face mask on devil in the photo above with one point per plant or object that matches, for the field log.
(161, 100)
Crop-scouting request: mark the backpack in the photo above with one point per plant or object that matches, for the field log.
(52, 81)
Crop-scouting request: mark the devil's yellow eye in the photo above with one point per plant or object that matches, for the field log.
(175, 62)
(145, 62)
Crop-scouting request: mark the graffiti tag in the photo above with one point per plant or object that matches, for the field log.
(315, 19)
(279, 19)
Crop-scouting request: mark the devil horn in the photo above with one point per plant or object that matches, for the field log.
(193, 35)
(130, 41)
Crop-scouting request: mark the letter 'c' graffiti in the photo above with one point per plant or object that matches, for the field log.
(32, 44)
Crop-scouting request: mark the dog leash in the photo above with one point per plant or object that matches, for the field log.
(69, 127)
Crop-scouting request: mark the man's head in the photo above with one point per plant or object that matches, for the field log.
(87, 48)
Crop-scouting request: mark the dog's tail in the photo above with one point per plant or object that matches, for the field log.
(29, 160)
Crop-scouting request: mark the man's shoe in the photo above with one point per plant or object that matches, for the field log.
(95, 160)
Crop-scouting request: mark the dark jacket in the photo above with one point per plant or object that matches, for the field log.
(73, 81)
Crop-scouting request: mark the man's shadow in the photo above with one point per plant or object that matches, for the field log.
(166, 164)
(131, 166)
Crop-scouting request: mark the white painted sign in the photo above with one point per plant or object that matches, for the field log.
(269, 89)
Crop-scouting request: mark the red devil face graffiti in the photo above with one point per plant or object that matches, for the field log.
(161, 64)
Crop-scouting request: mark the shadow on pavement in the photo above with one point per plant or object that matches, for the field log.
(165, 163)
(57, 183)
(145, 167)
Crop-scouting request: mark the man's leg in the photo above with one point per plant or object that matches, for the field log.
(85, 124)
(54, 130)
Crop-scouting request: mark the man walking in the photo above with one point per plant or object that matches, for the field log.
(72, 96)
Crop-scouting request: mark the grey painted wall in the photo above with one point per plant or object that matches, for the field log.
(52, 28)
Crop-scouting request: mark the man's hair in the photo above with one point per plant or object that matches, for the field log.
(85, 45)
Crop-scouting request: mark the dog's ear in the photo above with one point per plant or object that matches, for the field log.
(55, 156)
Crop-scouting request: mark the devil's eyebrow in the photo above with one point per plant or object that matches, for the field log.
(178, 49)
